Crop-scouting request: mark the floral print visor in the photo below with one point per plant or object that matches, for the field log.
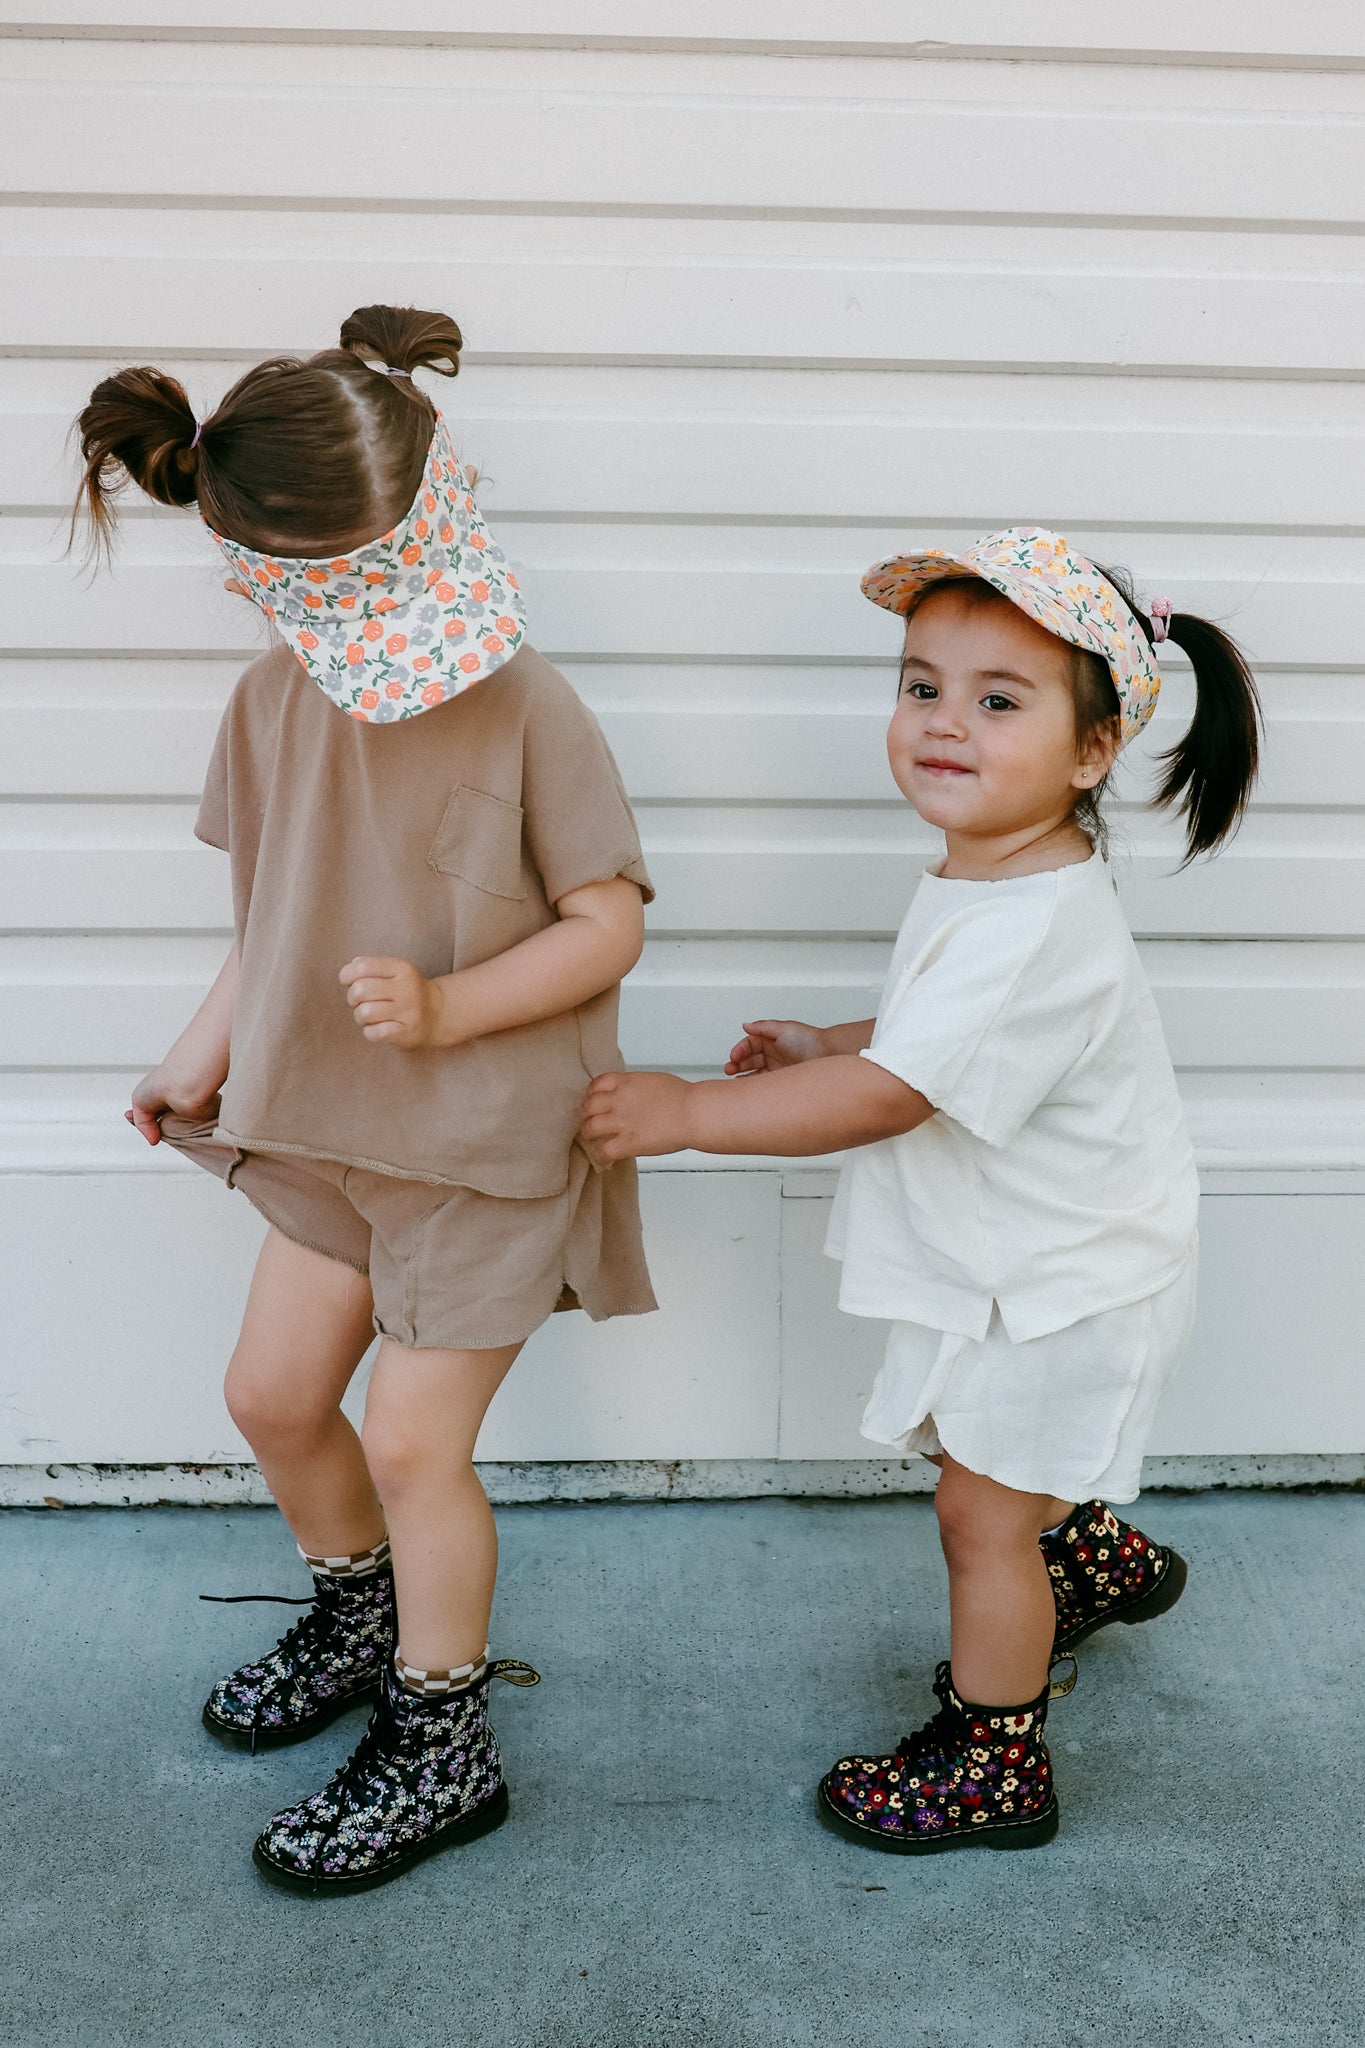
(1057, 587)
(398, 626)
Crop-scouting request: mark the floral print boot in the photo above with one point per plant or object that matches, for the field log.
(1105, 1570)
(427, 1774)
(334, 1655)
(970, 1775)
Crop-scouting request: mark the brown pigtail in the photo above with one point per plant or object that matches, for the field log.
(310, 456)
(404, 338)
(139, 425)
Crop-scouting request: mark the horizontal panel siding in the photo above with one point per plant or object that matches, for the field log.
(519, 147)
(940, 310)
(753, 294)
(738, 324)
(1218, 33)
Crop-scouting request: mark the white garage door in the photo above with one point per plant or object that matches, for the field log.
(746, 307)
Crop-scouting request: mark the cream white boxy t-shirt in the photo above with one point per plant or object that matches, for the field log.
(1057, 1178)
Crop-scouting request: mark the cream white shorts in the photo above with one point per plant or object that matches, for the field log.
(1067, 1414)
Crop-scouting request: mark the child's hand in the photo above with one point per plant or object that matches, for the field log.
(393, 1002)
(163, 1089)
(625, 1115)
(775, 1042)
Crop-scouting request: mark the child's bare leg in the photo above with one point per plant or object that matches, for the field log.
(422, 1418)
(1003, 1614)
(306, 1328)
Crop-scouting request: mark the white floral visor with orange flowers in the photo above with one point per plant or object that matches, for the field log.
(1045, 576)
(398, 626)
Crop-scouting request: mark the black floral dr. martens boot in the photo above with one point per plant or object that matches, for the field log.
(335, 1654)
(971, 1775)
(427, 1774)
(1105, 1570)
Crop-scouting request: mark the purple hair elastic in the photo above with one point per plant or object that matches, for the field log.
(1161, 619)
(198, 430)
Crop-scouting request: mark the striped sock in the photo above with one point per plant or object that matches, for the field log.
(438, 1685)
(358, 1564)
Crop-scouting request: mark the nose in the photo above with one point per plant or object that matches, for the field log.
(943, 721)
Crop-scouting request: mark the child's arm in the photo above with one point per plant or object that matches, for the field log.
(816, 1106)
(196, 1066)
(598, 939)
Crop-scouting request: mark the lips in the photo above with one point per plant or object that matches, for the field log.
(938, 767)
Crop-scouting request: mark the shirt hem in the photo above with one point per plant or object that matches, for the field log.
(1108, 1482)
(618, 871)
(1021, 1332)
(414, 1173)
(870, 1052)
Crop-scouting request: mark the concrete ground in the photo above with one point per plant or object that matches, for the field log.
(663, 1881)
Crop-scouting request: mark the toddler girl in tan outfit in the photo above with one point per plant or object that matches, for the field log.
(437, 887)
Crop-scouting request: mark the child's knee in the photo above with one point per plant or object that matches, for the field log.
(398, 1448)
(959, 1520)
(267, 1408)
(977, 1515)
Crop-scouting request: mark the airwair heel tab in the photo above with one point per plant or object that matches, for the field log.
(514, 1671)
(1058, 1688)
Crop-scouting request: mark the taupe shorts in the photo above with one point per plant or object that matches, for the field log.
(449, 1268)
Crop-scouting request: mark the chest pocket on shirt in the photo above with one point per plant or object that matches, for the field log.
(479, 839)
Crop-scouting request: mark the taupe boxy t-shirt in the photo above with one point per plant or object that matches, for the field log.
(441, 839)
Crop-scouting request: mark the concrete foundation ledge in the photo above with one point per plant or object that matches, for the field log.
(646, 1479)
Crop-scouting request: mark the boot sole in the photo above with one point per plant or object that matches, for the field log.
(1146, 1607)
(1018, 1834)
(482, 1821)
(233, 1737)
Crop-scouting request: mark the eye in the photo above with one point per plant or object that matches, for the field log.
(925, 692)
(995, 701)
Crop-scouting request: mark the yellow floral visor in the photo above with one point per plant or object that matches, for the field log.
(409, 620)
(1056, 587)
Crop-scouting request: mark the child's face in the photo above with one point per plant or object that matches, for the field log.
(983, 739)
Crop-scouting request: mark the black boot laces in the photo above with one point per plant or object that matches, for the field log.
(933, 1749)
(939, 1744)
(302, 1639)
(372, 1761)
(377, 1759)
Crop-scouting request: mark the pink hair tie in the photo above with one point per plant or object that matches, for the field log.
(1161, 619)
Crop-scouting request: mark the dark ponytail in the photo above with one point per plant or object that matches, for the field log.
(138, 426)
(1209, 775)
(301, 457)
